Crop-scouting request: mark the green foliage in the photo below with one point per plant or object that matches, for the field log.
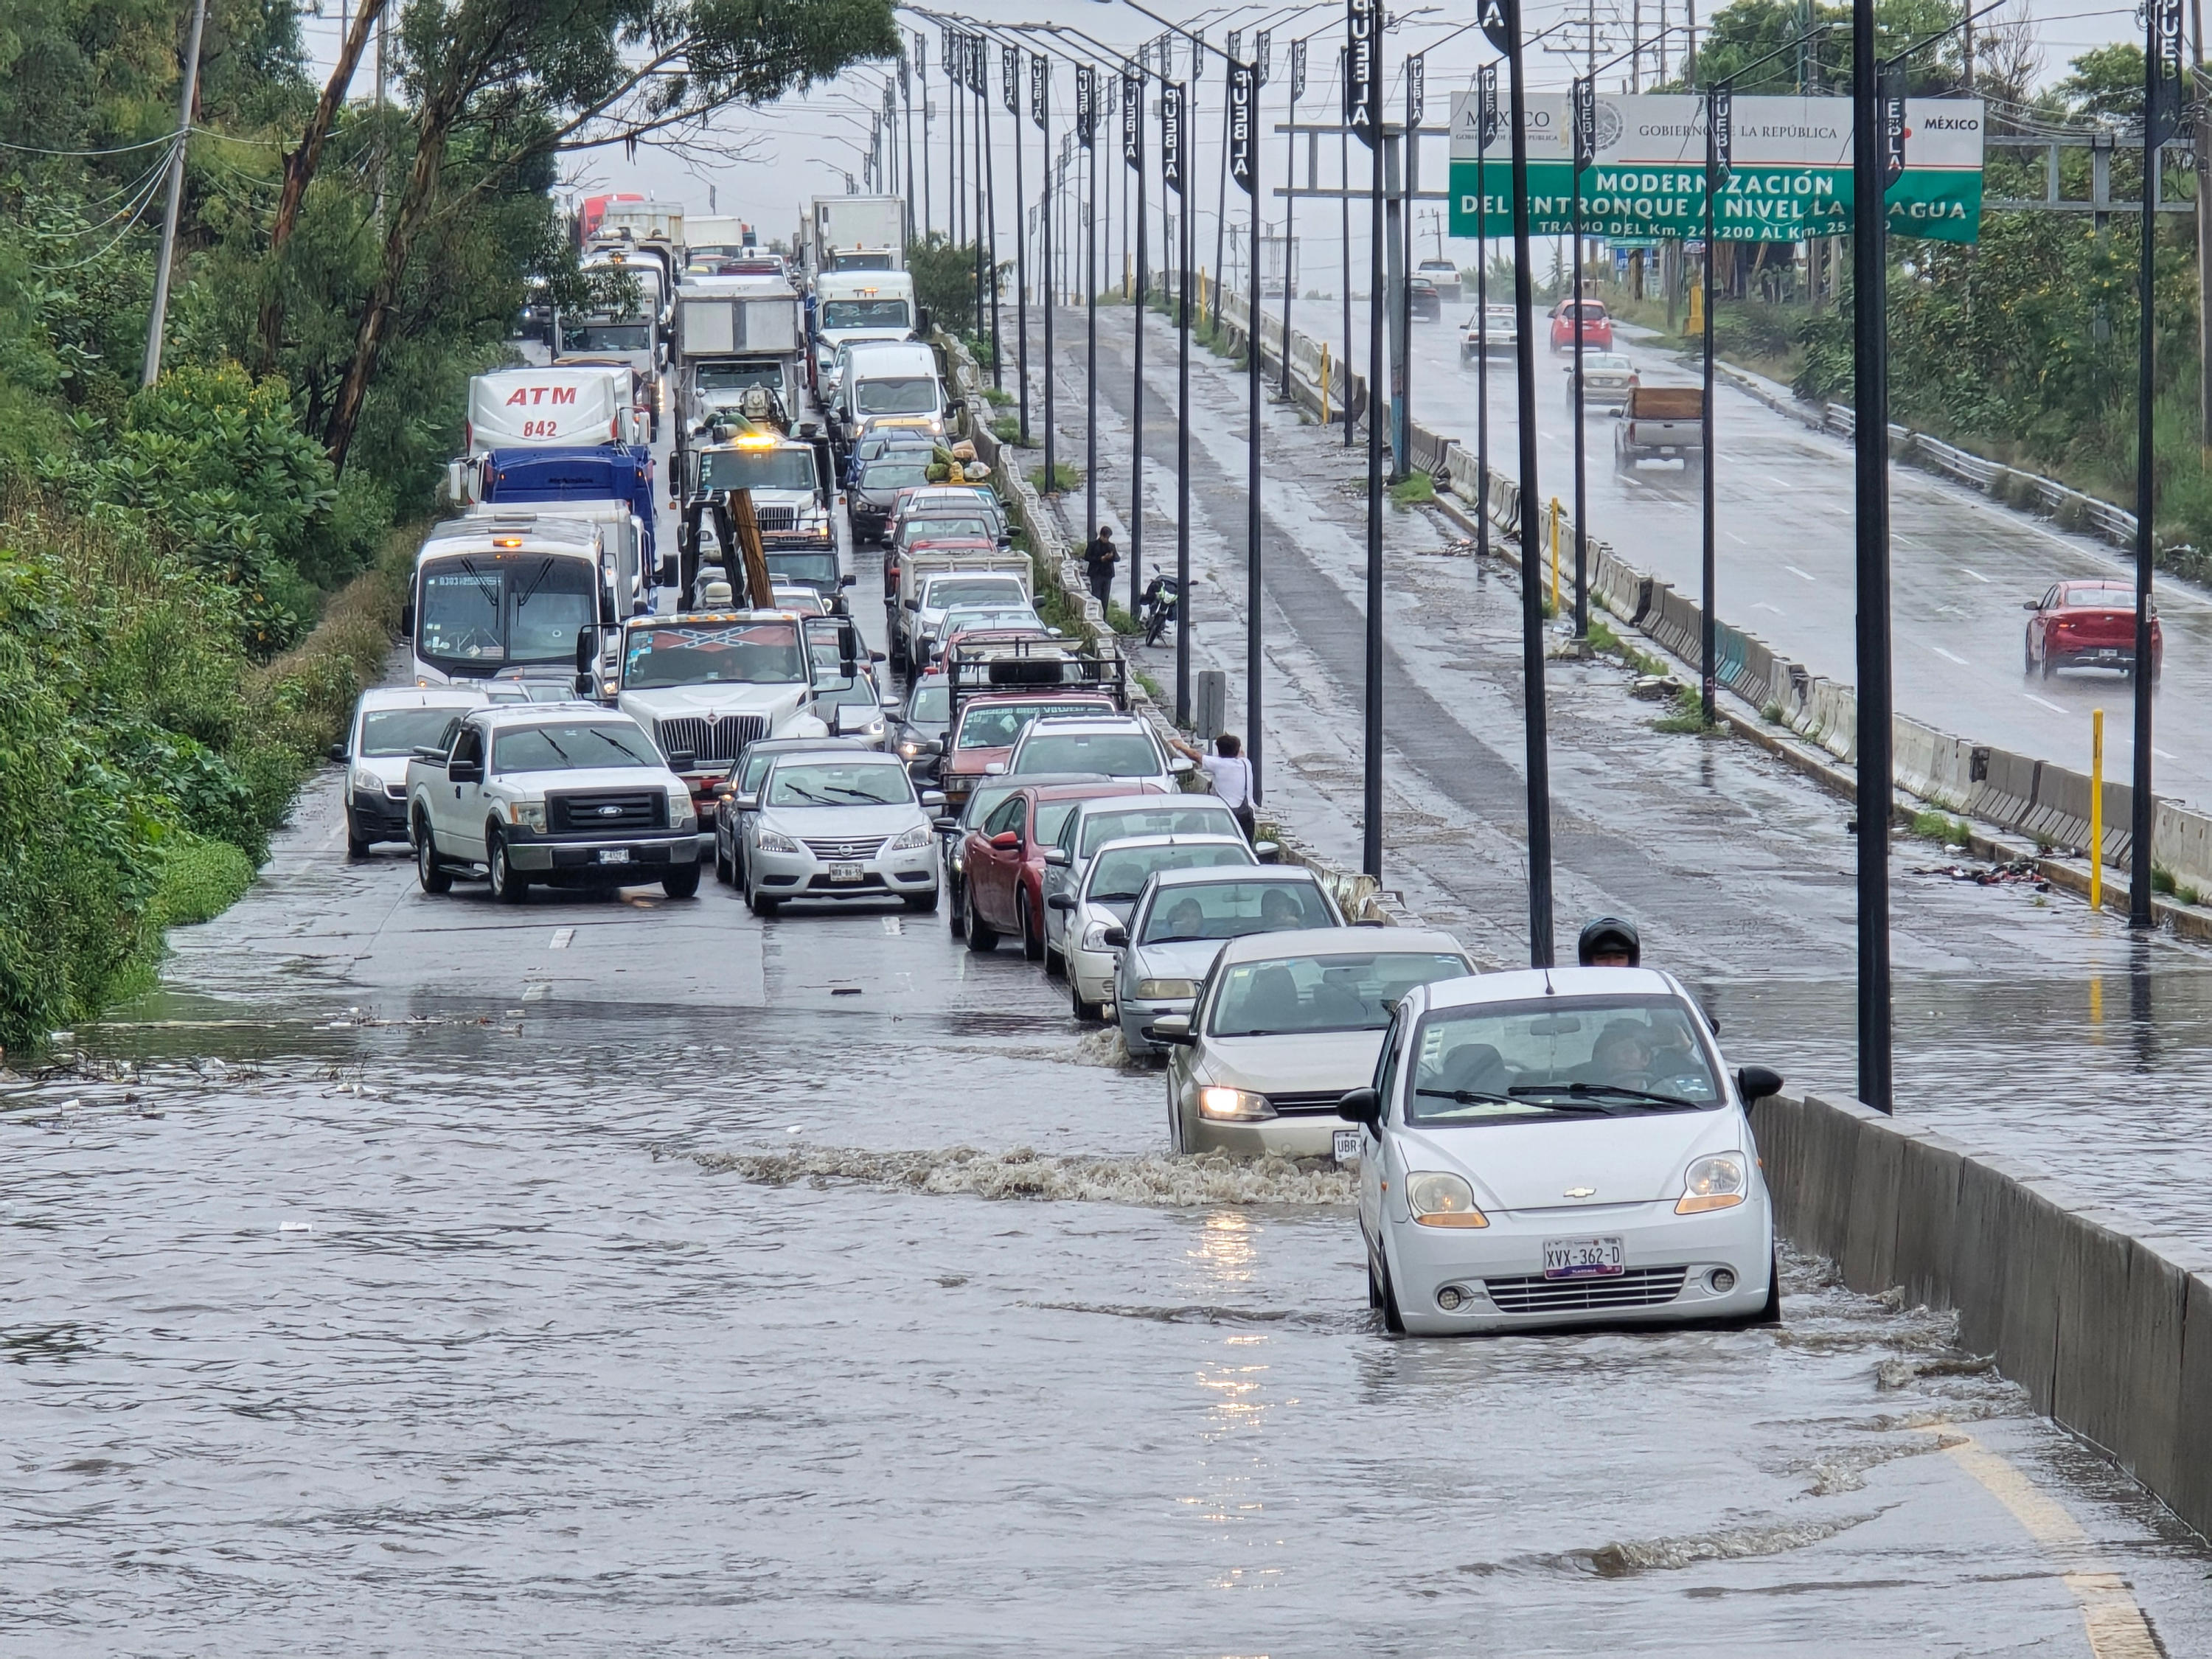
(1414, 489)
(1689, 713)
(945, 280)
(199, 880)
(1938, 826)
(1065, 478)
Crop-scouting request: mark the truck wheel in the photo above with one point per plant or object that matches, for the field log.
(681, 880)
(982, 937)
(506, 886)
(433, 875)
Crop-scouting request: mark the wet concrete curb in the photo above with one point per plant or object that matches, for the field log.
(2105, 1325)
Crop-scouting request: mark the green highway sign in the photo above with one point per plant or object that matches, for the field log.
(1791, 174)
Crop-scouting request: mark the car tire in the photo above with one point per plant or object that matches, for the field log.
(1374, 1285)
(955, 911)
(723, 873)
(682, 881)
(1772, 1313)
(1032, 936)
(507, 886)
(760, 904)
(356, 847)
(2049, 665)
(1055, 965)
(2028, 656)
(982, 938)
(1393, 1321)
(1089, 1011)
(924, 903)
(433, 876)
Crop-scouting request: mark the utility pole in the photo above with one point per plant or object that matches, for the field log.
(2164, 67)
(1343, 207)
(1175, 168)
(1133, 156)
(166, 260)
(1243, 158)
(906, 100)
(922, 78)
(1485, 88)
(1720, 145)
(1290, 202)
(1086, 131)
(1010, 79)
(1364, 95)
(1582, 112)
(991, 202)
(2202, 138)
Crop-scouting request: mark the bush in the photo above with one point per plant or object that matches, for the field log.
(199, 880)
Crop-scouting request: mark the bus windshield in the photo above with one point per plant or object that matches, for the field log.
(489, 612)
(714, 654)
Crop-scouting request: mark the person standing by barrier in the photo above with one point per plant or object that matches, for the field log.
(1230, 774)
(1099, 557)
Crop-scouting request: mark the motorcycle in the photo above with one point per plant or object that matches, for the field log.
(1159, 605)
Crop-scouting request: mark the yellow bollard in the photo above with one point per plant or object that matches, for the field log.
(1201, 290)
(1555, 555)
(1324, 383)
(2096, 809)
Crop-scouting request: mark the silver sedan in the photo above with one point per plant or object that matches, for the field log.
(838, 827)
(1182, 918)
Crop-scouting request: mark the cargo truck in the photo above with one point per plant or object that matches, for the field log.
(855, 233)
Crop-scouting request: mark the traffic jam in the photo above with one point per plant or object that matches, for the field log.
(602, 697)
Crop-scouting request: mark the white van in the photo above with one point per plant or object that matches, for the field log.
(885, 382)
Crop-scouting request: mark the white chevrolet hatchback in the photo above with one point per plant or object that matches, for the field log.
(1556, 1147)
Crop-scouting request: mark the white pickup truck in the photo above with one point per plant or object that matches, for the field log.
(1660, 423)
(571, 794)
(930, 582)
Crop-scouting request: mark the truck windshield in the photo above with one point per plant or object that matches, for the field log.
(757, 469)
(594, 334)
(861, 262)
(815, 569)
(496, 611)
(569, 747)
(714, 654)
(938, 530)
(735, 377)
(897, 394)
(864, 314)
(973, 591)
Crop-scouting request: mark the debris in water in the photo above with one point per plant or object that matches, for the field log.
(2015, 871)
(1621, 1560)
(295, 1227)
(1159, 1179)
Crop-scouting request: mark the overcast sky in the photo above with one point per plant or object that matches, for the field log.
(804, 147)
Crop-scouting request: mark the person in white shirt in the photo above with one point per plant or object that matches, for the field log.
(1230, 777)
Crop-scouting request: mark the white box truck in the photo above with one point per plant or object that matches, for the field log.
(573, 408)
(855, 233)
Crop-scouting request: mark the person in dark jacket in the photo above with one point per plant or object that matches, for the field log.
(1100, 555)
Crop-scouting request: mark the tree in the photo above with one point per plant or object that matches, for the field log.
(525, 81)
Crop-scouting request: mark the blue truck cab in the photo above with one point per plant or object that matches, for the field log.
(612, 483)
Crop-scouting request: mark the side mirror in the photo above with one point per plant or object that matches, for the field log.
(744, 803)
(587, 649)
(947, 825)
(1114, 938)
(933, 798)
(2030, 605)
(1182, 764)
(726, 792)
(1060, 901)
(995, 768)
(1057, 857)
(1008, 841)
(931, 747)
(581, 686)
(846, 581)
(407, 618)
(1268, 851)
(1361, 1106)
(338, 753)
(914, 605)
(1757, 1082)
(877, 656)
(464, 772)
(1172, 1028)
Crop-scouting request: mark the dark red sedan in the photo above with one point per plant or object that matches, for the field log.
(1003, 859)
(2088, 624)
(1597, 326)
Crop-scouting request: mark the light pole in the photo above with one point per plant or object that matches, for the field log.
(1291, 202)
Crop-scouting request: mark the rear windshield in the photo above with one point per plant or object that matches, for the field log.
(1230, 910)
(1325, 993)
(942, 529)
(931, 702)
(996, 726)
(881, 476)
(1198, 818)
(973, 590)
(1116, 754)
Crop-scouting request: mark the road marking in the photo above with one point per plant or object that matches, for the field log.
(1779, 483)
(1794, 571)
(1737, 539)
(1762, 605)
(2162, 753)
(561, 937)
(2115, 1625)
(892, 925)
(2041, 703)
(1976, 574)
(537, 992)
(1948, 610)
(1947, 656)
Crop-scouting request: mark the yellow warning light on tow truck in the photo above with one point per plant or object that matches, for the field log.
(757, 440)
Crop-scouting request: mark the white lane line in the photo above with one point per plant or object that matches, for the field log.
(1794, 571)
(1976, 574)
(1779, 483)
(561, 937)
(1737, 539)
(893, 926)
(2162, 753)
(1948, 610)
(537, 992)
(1947, 656)
(2040, 703)
(1762, 605)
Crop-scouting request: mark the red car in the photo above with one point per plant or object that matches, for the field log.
(984, 733)
(2088, 624)
(1597, 326)
(1003, 859)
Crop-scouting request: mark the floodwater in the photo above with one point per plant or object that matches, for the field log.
(379, 1288)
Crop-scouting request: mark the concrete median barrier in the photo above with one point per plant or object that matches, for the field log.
(1912, 750)
(2107, 1327)
(2004, 792)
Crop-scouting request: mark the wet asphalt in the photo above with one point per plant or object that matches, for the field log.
(417, 1274)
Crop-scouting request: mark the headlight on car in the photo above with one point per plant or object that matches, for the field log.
(910, 748)
(368, 781)
(1094, 936)
(1714, 1183)
(909, 840)
(1233, 1105)
(1438, 1199)
(1170, 989)
(528, 814)
(770, 841)
(679, 809)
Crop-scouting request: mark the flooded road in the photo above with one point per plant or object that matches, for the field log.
(420, 1275)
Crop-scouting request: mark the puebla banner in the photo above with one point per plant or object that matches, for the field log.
(1790, 175)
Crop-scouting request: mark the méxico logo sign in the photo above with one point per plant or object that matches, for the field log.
(1789, 175)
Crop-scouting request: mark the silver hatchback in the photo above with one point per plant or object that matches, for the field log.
(1181, 921)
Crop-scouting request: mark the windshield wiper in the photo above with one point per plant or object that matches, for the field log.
(556, 749)
(1615, 1090)
(860, 794)
(819, 801)
(1478, 1098)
